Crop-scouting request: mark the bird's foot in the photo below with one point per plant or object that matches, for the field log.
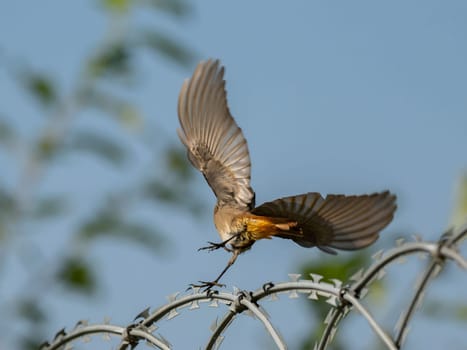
(206, 286)
(214, 246)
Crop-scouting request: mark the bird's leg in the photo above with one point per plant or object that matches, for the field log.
(208, 285)
(214, 246)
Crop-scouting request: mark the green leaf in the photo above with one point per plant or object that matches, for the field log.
(109, 223)
(48, 206)
(127, 114)
(8, 205)
(7, 202)
(47, 147)
(340, 267)
(166, 46)
(113, 60)
(31, 310)
(8, 212)
(32, 340)
(77, 275)
(104, 222)
(173, 193)
(120, 6)
(142, 234)
(177, 163)
(461, 312)
(97, 144)
(7, 134)
(459, 214)
(161, 192)
(130, 117)
(174, 7)
(40, 87)
(446, 309)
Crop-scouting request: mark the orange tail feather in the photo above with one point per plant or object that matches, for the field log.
(259, 227)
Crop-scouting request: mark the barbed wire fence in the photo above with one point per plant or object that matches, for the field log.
(343, 297)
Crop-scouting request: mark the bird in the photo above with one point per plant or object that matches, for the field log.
(217, 148)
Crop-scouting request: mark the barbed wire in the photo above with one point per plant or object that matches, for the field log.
(342, 297)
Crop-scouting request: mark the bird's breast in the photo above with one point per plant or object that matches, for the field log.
(228, 222)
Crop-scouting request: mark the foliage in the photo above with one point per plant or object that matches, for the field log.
(64, 133)
(459, 213)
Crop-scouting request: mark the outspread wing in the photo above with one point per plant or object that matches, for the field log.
(337, 221)
(215, 143)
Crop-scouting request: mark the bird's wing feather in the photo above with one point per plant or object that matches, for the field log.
(215, 143)
(337, 221)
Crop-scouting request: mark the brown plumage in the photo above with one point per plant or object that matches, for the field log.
(217, 148)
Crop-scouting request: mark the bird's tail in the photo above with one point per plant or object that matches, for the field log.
(337, 221)
(259, 227)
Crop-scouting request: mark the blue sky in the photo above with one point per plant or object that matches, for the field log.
(332, 96)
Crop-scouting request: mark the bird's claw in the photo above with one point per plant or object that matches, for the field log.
(214, 246)
(207, 286)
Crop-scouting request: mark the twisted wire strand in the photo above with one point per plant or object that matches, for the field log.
(341, 298)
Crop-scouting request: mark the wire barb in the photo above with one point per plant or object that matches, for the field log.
(342, 296)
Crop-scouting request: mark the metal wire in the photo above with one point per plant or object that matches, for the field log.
(342, 298)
